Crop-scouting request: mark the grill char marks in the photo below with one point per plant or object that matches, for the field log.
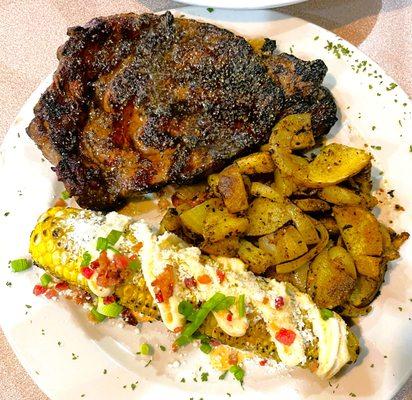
(140, 101)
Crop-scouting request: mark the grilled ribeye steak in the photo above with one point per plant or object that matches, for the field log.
(141, 101)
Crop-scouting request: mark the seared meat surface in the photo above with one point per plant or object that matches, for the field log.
(141, 101)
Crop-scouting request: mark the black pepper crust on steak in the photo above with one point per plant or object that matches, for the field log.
(141, 101)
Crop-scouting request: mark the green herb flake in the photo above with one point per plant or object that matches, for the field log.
(385, 356)
(43, 332)
(6, 214)
(351, 394)
(183, 380)
(316, 38)
(163, 348)
(59, 344)
(133, 386)
(400, 308)
(410, 148)
(148, 363)
(146, 349)
(373, 127)
(28, 306)
(372, 365)
(223, 376)
(65, 195)
(8, 284)
(74, 356)
(105, 371)
(376, 147)
(210, 9)
(204, 377)
(391, 86)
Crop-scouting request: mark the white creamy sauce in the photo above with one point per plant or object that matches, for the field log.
(158, 252)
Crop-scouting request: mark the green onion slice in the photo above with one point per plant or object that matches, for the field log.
(238, 372)
(226, 303)
(20, 264)
(111, 310)
(326, 313)
(101, 243)
(86, 259)
(134, 265)
(113, 237)
(45, 279)
(241, 305)
(97, 316)
(65, 195)
(198, 318)
(146, 349)
(206, 348)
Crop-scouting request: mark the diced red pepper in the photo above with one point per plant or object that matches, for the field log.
(214, 342)
(233, 358)
(109, 299)
(190, 282)
(94, 264)
(221, 275)
(51, 293)
(263, 362)
(229, 317)
(204, 279)
(60, 203)
(121, 261)
(39, 290)
(178, 329)
(87, 272)
(279, 302)
(136, 248)
(159, 297)
(285, 336)
(61, 286)
(164, 283)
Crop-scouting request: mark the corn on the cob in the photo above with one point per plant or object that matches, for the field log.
(52, 250)
(63, 235)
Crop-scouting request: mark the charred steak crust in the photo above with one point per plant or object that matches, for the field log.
(140, 101)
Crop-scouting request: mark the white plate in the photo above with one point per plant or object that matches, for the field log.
(29, 187)
(241, 4)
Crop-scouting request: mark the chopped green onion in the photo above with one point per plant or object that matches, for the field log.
(134, 265)
(101, 244)
(86, 259)
(21, 264)
(186, 308)
(237, 372)
(198, 318)
(113, 237)
(326, 314)
(97, 316)
(226, 303)
(65, 195)
(206, 348)
(241, 305)
(45, 279)
(111, 310)
(146, 349)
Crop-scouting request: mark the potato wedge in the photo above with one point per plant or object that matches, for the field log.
(297, 278)
(232, 189)
(213, 181)
(340, 196)
(170, 222)
(304, 224)
(220, 224)
(194, 218)
(226, 247)
(283, 245)
(337, 162)
(283, 184)
(312, 205)
(189, 196)
(266, 216)
(256, 163)
(360, 230)
(365, 291)
(331, 277)
(259, 189)
(257, 260)
(369, 266)
(330, 224)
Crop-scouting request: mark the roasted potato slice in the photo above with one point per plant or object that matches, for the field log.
(194, 218)
(189, 196)
(266, 216)
(283, 245)
(335, 163)
(360, 230)
(283, 184)
(256, 163)
(170, 222)
(297, 278)
(259, 189)
(330, 224)
(340, 196)
(304, 224)
(232, 189)
(365, 291)
(226, 247)
(219, 224)
(332, 277)
(257, 260)
(213, 181)
(312, 205)
(369, 266)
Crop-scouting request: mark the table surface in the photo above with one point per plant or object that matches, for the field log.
(31, 31)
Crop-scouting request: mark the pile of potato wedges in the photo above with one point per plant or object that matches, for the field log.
(305, 219)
